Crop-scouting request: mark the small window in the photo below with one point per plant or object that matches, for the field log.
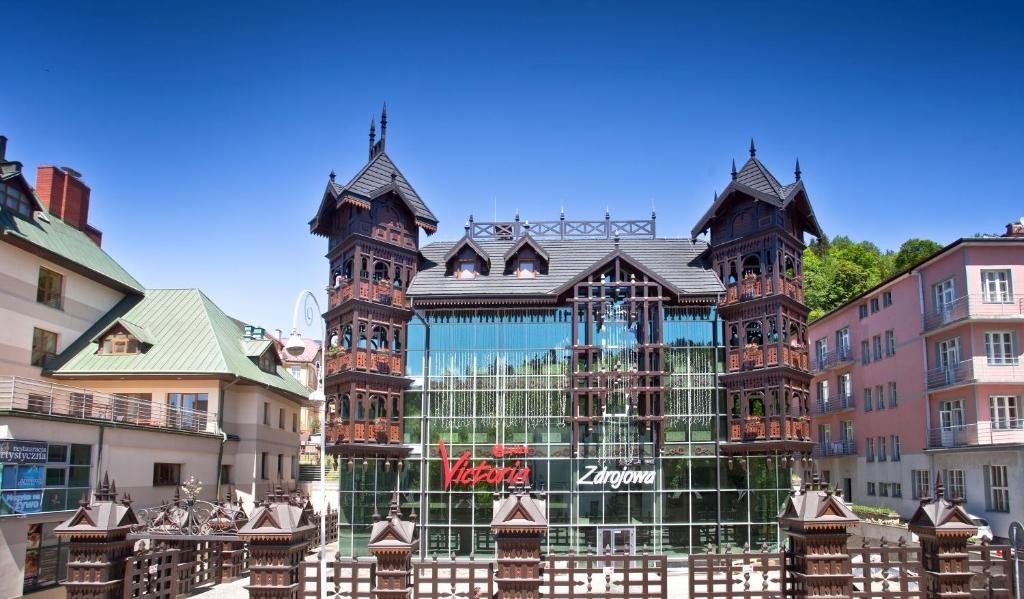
(298, 374)
(868, 406)
(267, 363)
(263, 465)
(49, 289)
(890, 342)
(280, 466)
(166, 474)
(869, 450)
(881, 449)
(995, 287)
(871, 489)
(956, 485)
(280, 418)
(863, 309)
(44, 346)
(295, 422)
(880, 397)
(266, 413)
(886, 299)
(225, 474)
(999, 348)
(12, 199)
(874, 305)
(921, 483)
(466, 270)
(894, 440)
(876, 342)
(999, 489)
(893, 400)
(865, 352)
(1002, 410)
(119, 344)
(883, 489)
(897, 489)
(527, 269)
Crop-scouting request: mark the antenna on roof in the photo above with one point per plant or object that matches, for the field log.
(753, 150)
(797, 171)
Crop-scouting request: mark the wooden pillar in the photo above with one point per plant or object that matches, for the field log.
(278, 534)
(96, 537)
(943, 528)
(391, 542)
(817, 523)
(519, 525)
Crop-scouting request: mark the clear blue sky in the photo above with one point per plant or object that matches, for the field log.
(206, 131)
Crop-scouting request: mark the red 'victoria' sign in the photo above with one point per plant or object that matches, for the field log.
(461, 473)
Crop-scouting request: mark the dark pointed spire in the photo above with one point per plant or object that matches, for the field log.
(383, 123)
(733, 169)
(753, 150)
(373, 133)
(332, 175)
(797, 170)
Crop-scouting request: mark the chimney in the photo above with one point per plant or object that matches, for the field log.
(277, 333)
(1015, 229)
(3, 148)
(65, 195)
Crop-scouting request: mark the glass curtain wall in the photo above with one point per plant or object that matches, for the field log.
(500, 378)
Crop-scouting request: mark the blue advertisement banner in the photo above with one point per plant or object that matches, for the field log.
(20, 502)
(13, 451)
(22, 477)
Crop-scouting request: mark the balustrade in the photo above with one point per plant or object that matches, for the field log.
(380, 361)
(379, 292)
(769, 428)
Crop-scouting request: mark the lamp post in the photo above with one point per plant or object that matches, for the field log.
(295, 347)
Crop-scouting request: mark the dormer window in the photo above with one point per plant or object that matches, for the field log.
(466, 270)
(12, 199)
(527, 269)
(120, 344)
(267, 363)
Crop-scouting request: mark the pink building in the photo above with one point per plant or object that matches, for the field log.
(922, 375)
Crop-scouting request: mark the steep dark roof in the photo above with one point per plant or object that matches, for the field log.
(530, 241)
(374, 180)
(678, 262)
(755, 180)
(467, 241)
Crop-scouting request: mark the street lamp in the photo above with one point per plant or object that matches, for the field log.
(295, 346)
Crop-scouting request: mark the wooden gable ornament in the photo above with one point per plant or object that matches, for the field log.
(942, 517)
(519, 512)
(392, 533)
(814, 507)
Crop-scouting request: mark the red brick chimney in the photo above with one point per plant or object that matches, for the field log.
(65, 195)
(1015, 229)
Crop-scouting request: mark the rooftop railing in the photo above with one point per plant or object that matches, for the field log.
(978, 305)
(32, 396)
(562, 229)
(998, 432)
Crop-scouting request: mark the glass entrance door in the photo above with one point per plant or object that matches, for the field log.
(617, 541)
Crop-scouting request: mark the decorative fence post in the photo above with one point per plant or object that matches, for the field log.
(519, 525)
(392, 541)
(96, 535)
(228, 516)
(943, 528)
(817, 523)
(278, 533)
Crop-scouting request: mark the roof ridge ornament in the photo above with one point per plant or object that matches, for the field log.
(797, 171)
(733, 169)
(373, 132)
(753, 150)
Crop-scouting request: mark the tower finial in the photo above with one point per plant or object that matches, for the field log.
(753, 150)
(332, 175)
(383, 124)
(797, 171)
(734, 169)
(373, 132)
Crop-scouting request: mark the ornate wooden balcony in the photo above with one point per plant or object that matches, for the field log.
(364, 431)
(772, 433)
(378, 292)
(754, 357)
(751, 288)
(366, 360)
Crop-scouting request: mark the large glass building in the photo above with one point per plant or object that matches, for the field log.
(591, 360)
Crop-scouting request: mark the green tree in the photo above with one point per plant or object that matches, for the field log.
(914, 251)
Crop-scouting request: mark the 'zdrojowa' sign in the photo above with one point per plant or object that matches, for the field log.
(615, 478)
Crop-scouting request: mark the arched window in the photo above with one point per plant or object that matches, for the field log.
(396, 341)
(394, 409)
(346, 337)
(360, 408)
(737, 409)
(775, 407)
(773, 330)
(336, 279)
(734, 336)
(361, 342)
(346, 409)
(756, 404)
(790, 268)
(752, 266)
(346, 268)
(732, 274)
(398, 278)
(753, 330)
(794, 335)
(373, 407)
(380, 338)
(380, 271)
(364, 273)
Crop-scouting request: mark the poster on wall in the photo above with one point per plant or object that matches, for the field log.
(20, 502)
(22, 477)
(14, 451)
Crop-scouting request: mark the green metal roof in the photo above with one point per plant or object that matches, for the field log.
(189, 335)
(55, 239)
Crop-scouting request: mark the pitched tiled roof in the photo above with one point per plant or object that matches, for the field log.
(309, 354)
(189, 335)
(678, 262)
(375, 179)
(58, 241)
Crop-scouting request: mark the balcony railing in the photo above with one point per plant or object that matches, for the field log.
(32, 396)
(364, 431)
(752, 288)
(833, 359)
(380, 292)
(380, 361)
(980, 433)
(757, 356)
(770, 428)
(835, 448)
(977, 370)
(976, 306)
(843, 401)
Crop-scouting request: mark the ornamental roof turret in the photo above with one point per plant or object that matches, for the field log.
(377, 178)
